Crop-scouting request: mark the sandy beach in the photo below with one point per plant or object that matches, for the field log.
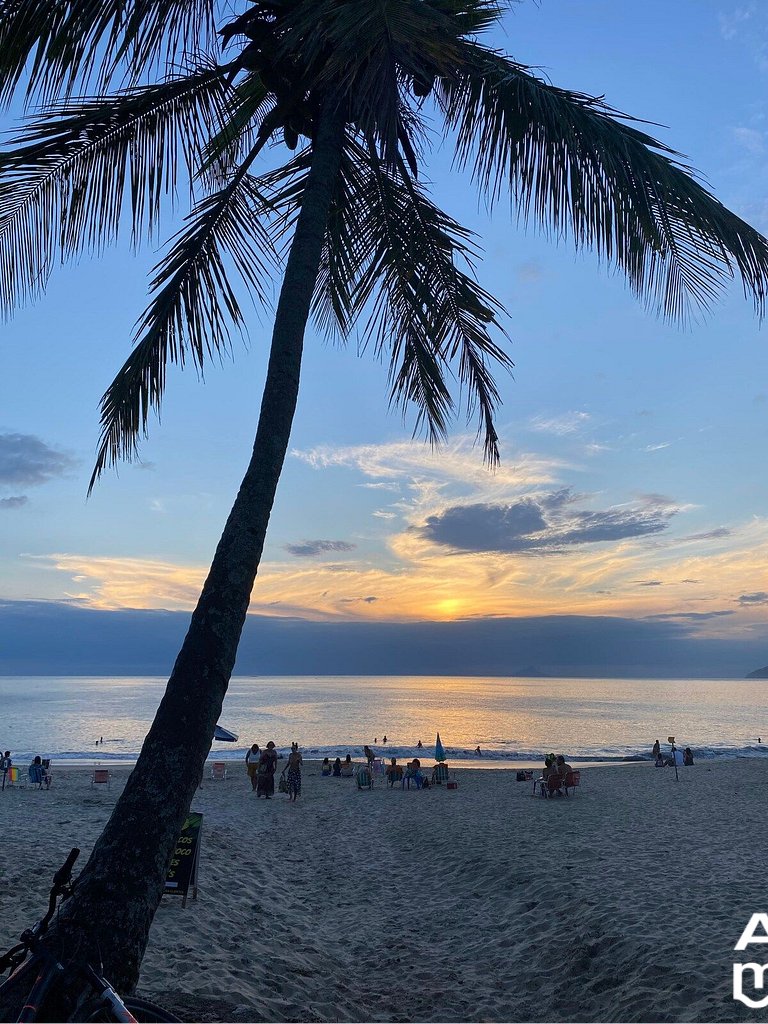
(482, 903)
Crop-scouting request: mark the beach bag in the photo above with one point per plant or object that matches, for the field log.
(282, 785)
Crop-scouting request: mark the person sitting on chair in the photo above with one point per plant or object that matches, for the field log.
(562, 767)
(326, 767)
(687, 756)
(394, 772)
(556, 775)
(337, 768)
(36, 774)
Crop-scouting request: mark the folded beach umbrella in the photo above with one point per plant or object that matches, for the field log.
(220, 733)
(439, 749)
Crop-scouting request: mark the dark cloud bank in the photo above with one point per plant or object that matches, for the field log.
(26, 461)
(47, 638)
(539, 525)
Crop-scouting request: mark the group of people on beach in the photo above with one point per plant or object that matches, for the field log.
(339, 769)
(676, 756)
(555, 772)
(38, 771)
(261, 766)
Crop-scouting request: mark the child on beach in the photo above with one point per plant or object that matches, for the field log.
(252, 758)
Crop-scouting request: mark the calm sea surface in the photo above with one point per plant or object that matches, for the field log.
(509, 719)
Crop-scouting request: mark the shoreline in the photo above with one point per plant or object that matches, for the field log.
(475, 764)
(475, 904)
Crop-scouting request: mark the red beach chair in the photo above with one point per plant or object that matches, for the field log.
(572, 780)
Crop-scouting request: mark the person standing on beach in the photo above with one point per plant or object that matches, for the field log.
(294, 772)
(369, 756)
(252, 763)
(265, 785)
(656, 750)
(5, 765)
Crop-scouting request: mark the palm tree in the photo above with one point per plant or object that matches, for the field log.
(138, 95)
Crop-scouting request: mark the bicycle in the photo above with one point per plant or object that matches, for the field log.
(77, 986)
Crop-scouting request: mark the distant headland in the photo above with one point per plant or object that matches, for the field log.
(759, 673)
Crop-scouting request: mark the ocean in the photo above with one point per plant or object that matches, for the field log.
(511, 720)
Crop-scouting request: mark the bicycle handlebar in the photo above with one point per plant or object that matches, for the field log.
(60, 881)
(62, 876)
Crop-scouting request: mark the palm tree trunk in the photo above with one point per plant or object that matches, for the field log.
(118, 892)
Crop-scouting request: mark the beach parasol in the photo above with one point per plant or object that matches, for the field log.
(220, 733)
(439, 749)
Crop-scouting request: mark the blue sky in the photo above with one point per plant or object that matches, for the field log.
(632, 482)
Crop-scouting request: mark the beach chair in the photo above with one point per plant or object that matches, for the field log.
(440, 774)
(364, 777)
(572, 780)
(219, 770)
(347, 770)
(394, 774)
(541, 782)
(101, 777)
(35, 774)
(47, 772)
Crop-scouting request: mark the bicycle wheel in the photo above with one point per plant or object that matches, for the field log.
(142, 1009)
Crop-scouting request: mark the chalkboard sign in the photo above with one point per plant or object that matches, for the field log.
(182, 872)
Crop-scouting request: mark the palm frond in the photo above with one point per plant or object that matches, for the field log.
(63, 189)
(392, 256)
(371, 51)
(227, 147)
(574, 167)
(57, 47)
(194, 303)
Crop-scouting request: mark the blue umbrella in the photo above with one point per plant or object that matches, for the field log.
(220, 733)
(439, 749)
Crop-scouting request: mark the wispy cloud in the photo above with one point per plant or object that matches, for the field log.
(560, 426)
(461, 460)
(732, 22)
(313, 548)
(759, 597)
(16, 501)
(751, 140)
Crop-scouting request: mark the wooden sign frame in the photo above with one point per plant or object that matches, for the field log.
(186, 846)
